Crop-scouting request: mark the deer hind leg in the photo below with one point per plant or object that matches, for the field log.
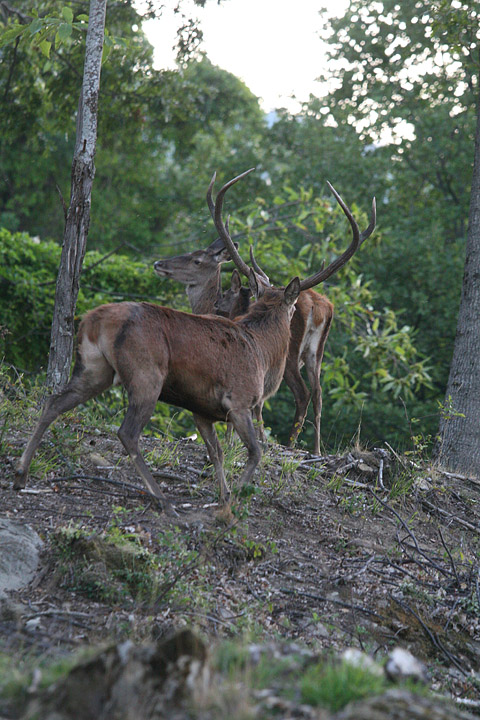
(243, 424)
(301, 394)
(83, 385)
(313, 373)
(215, 453)
(141, 404)
(313, 365)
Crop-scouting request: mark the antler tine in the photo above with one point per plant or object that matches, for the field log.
(222, 230)
(210, 203)
(357, 240)
(257, 267)
(373, 221)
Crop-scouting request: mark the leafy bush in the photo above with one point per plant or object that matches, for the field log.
(28, 273)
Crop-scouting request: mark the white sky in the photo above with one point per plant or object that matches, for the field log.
(272, 45)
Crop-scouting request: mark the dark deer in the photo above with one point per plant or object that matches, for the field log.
(310, 324)
(309, 329)
(217, 369)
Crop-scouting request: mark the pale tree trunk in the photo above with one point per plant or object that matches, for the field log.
(78, 216)
(459, 436)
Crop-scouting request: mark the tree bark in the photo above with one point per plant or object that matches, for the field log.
(458, 447)
(78, 216)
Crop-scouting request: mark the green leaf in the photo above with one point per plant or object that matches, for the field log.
(106, 52)
(64, 32)
(67, 15)
(11, 34)
(45, 47)
(35, 26)
(303, 250)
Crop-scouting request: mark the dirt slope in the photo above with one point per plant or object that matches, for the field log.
(365, 549)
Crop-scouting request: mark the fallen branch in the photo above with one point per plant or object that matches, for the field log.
(440, 511)
(432, 637)
(323, 598)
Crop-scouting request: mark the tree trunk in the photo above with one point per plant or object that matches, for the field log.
(78, 216)
(459, 443)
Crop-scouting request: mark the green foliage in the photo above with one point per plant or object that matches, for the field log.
(371, 354)
(28, 271)
(46, 31)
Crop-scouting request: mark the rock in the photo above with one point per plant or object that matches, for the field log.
(366, 469)
(357, 658)
(400, 704)
(19, 554)
(401, 664)
(98, 460)
(129, 682)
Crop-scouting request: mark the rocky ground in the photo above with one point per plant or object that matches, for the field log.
(366, 549)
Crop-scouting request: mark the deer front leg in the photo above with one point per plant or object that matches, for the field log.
(314, 378)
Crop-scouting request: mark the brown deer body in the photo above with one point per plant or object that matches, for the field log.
(217, 369)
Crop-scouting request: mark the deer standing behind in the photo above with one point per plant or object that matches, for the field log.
(309, 328)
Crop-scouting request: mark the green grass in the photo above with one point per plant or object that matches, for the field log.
(332, 686)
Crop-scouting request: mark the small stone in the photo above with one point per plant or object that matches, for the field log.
(98, 460)
(401, 664)
(364, 468)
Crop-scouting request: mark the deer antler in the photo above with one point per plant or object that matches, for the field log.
(216, 212)
(258, 269)
(210, 203)
(358, 239)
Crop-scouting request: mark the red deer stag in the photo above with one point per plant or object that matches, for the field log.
(211, 366)
(309, 329)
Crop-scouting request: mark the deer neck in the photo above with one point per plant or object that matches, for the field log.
(202, 296)
(270, 332)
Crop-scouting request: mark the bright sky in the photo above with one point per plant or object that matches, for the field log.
(272, 45)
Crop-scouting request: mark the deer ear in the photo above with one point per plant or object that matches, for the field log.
(292, 291)
(223, 255)
(236, 281)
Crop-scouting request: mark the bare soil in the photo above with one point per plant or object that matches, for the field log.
(366, 549)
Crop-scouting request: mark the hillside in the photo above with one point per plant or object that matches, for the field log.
(365, 549)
